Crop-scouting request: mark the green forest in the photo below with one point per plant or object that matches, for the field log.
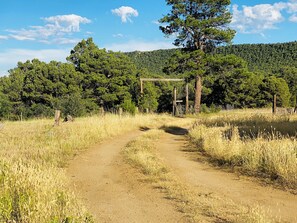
(260, 57)
(242, 76)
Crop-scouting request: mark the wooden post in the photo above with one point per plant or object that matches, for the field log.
(21, 116)
(101, 111)
(174, 102)
(295, 109)
(198, 91)
(187, 98)
(57, 117)
(274, 104)
(120, 111)
(147, 110)
(141, 86)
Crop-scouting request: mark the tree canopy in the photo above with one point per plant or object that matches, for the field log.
(198, 25)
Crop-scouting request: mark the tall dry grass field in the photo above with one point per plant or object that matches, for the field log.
(33, 186)
(258, 143)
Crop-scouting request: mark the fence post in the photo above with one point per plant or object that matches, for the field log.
(187, 98)
(174, 102)
(120, 111)
(57, 117)
(295, 109)
(274, 104)
(101, 111)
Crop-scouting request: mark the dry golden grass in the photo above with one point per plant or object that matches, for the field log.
(33, 186)
(196, 205)
(260, 144)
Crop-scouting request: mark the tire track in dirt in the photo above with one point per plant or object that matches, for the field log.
(112, 191)
(172, 148)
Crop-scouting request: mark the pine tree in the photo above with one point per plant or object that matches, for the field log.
(199, 25)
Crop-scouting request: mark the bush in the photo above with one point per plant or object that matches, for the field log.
(129, 106)
(5, 106)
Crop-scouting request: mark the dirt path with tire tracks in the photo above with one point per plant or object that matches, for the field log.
(112, 191)
(115, 192)
(174, 151)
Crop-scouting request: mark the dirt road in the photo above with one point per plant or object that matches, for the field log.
(173, 149)
(112, 191)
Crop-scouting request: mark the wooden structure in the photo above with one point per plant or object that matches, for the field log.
(274, 104)
(295, 109)
(57, 117)
(175, 101)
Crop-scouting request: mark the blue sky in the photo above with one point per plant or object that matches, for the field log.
(49, 29)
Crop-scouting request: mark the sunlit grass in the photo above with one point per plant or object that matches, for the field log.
(33, 186)
(260, 144)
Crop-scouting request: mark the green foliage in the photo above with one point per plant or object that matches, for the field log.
(211, 109)
(230, 83)
(40, 110)
(199, 25)
(5, 105)
(96, 77)
(149, 99)
(74, 105)
(188, 64)
(153, 61)
(264, 57)
(129, 106)
(289, 74)
(106, 76)
(273, 85)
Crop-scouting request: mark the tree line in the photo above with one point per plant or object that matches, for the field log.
(94, 78)
(267, 58)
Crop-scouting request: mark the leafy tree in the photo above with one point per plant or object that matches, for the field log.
(149, 99)
(71, 105)
(273, 85)
(230, 83)
(129, 106)
(106, 76)
(5, 106)
(199, 25)
(289, 74)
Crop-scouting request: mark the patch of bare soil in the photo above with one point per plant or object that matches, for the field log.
(112, 191)
(173, 149)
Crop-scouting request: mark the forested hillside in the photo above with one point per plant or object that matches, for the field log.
(263, 57)
(153, 61)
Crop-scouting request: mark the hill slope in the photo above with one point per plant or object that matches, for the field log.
(264, 57)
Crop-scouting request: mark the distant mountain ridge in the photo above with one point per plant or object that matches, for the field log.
(263, 57)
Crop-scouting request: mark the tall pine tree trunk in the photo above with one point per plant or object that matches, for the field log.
(198, 93)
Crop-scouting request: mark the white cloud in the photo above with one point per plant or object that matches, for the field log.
(67, 23)
(56, 27)
(3, 37)
(10, 58)
(139, 46)
(21, 37)
(255, 19)
(293, 18)
(258, 18)
(118, 35)
(125, 12)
